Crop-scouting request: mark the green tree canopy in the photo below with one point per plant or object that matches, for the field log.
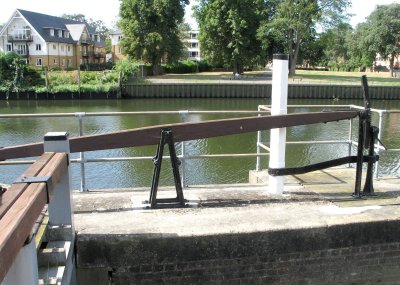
(228, 32)
(296, 21)
(151, 30)
(383, 32)
(358, 47)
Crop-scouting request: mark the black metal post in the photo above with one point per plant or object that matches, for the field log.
(360, 155)
(166, 138)
(369, 186)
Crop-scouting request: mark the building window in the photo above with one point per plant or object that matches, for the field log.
(119, 38)
(52, 32)
(54, 46)
(38, 47)
(194, 54)
(62, 48)
(63, 62)
(69, 62)
(68, 48)
(38, 62)
(194, 45)
(66, 34)
(119, 50)
(193, 35)
(55, 61)
(9, 47)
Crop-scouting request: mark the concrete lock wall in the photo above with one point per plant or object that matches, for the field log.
(363, 253)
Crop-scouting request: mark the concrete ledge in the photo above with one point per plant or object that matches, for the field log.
(242, 234)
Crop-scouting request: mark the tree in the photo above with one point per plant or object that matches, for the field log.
(151, 30)
(228, 32)
(335, 53)
(295, 21)
(357, 46)
(384, 32)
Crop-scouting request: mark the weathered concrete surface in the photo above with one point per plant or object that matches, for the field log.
(315, 215)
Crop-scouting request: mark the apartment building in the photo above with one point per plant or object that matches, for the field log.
(193, 46)
(191, 42)
(44, 40)
(116, 48)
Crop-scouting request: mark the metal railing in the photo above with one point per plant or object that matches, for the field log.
(379, 148)
(263, 109)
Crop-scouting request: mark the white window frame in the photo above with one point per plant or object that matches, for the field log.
(66, 34)
(60, 33)
(54, 46)
(52, 32)
(9, 47)
(55, 61)
(68, 48)
(38, 61)
(38, 47)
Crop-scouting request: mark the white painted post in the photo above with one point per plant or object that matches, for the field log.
(25, 267)
(60, 207)
(280, 73)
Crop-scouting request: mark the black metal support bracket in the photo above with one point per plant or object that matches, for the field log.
(36, 179)
(166, 138)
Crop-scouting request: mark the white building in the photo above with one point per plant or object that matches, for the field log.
(193, 45)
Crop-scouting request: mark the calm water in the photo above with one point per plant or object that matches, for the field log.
(199, 171)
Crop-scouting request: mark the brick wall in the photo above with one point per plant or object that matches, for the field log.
(351, 254)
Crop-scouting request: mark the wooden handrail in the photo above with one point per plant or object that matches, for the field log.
(22, 203)
(182, 132)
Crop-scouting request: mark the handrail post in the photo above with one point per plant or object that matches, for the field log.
(183, 159)
(279, 107)
(25, 267)
(376, 171)
(350, 144)
(258, 161)
(83, 188)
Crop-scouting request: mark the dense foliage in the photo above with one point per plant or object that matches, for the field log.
(229, 32)
(151, 30)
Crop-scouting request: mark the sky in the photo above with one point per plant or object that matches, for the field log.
(97, 10)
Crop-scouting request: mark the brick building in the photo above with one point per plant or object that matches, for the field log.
(44, 40)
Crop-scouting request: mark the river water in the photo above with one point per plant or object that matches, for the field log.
(198, 171)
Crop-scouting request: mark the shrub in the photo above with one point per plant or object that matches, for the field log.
(127, 69)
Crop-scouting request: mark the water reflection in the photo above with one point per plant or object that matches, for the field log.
(198, 171)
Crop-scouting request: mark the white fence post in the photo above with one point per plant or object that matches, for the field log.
(25, 267)
(278, 107)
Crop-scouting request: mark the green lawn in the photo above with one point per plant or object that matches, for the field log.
(302, 77)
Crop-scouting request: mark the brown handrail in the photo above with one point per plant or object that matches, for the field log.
(182, 132)
(22, 203)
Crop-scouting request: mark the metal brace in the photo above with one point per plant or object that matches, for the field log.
(36, 179)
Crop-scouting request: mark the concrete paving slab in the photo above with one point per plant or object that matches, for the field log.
(319, 199)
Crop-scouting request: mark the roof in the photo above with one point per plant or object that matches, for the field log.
(42, 23)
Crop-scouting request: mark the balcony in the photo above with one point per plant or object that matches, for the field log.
(86, 41)
(22, 53)
(99, 54)
(19, 38)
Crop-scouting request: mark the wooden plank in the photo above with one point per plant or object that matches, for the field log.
(183, 132)
(15, 191)
(17, 222)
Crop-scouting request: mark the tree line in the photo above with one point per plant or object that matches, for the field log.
(246, 33)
